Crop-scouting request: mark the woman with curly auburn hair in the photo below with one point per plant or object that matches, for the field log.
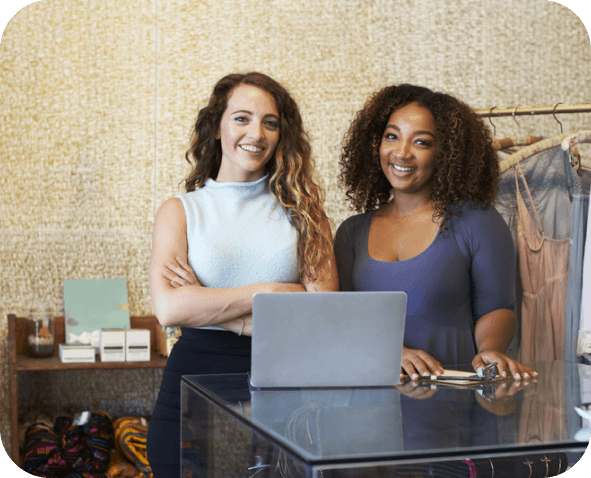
(251, 221)
(419, 167)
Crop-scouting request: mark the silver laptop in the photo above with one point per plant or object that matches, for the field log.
(328, 339)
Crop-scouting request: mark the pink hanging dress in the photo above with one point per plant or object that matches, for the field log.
(543, 263)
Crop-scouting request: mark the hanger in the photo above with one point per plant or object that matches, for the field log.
(516, 140)
(490, 121)
(573, 153)
(514, 118)
(554, 114)
(530, 150)
(535, 148)
(570, 141)
(580, 137)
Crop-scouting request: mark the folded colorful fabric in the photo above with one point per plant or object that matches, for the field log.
(131, 434)
(121, 468)
(43, 456)
(87, 447)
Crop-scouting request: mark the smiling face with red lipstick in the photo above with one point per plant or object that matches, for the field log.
(249, 132)
(408, 150)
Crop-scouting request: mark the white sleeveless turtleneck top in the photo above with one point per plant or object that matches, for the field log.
(237, 234)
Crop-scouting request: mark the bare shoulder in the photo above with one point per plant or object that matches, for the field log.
(171, 214)
(172, 206)
(170, 225)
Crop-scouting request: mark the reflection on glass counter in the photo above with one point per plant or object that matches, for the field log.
(416, 429)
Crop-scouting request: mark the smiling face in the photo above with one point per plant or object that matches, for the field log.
(249, 133)
(409, 149)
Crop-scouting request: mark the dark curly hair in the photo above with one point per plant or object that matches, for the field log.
(290, 169)
(466, 164)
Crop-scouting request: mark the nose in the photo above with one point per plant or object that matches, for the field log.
(256, 130)
(402, 149)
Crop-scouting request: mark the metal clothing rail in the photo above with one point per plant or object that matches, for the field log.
(534, 110)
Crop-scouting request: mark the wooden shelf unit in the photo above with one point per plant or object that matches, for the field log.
(19, 362)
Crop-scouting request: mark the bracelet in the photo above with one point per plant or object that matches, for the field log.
(242, 329)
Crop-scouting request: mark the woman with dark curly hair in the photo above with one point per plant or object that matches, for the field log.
(419, 167)
(251, 221)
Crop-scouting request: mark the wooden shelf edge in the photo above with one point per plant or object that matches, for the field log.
(27, 364)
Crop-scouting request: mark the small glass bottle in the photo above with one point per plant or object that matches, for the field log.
(40, 333)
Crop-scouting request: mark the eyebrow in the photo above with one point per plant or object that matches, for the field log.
(414, 132)
(250, 113)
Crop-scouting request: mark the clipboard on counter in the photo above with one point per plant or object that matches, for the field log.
(488, 374)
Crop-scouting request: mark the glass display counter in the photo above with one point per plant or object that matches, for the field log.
(413, 430)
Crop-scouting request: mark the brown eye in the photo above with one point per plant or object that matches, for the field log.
(425, 143)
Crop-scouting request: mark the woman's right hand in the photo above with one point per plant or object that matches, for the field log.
(180, 274)
(418, 363)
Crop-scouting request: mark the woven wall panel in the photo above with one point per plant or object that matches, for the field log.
(35, 263)
(99, 98)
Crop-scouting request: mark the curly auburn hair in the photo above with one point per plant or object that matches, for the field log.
(290, 169)
(466, 164)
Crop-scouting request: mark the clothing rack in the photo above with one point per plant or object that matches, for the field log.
(534, 110)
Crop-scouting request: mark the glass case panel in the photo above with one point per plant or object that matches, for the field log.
(230, 429)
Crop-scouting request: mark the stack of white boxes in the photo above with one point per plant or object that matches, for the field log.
(116, 345)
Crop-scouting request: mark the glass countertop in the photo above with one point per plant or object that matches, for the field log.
(336, 424)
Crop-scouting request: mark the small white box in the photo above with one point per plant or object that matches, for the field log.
(112, 345)
(137, 345)
(76, 353)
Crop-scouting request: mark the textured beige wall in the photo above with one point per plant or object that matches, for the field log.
(98, 100)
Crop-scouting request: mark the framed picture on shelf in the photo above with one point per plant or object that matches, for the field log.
(93, 304)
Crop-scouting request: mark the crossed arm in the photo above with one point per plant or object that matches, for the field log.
(194, 305)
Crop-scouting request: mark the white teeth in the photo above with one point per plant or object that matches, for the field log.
(402, 168)
(252, 149)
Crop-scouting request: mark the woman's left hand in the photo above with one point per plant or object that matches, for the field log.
(180, 274)
(506, 366)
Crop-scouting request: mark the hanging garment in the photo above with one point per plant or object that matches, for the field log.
(584, 345)
(543, 264)
(579, 306)
(574, 291)
(542, 421)
(546, 172)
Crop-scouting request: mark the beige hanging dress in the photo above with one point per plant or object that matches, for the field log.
(543, 264)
